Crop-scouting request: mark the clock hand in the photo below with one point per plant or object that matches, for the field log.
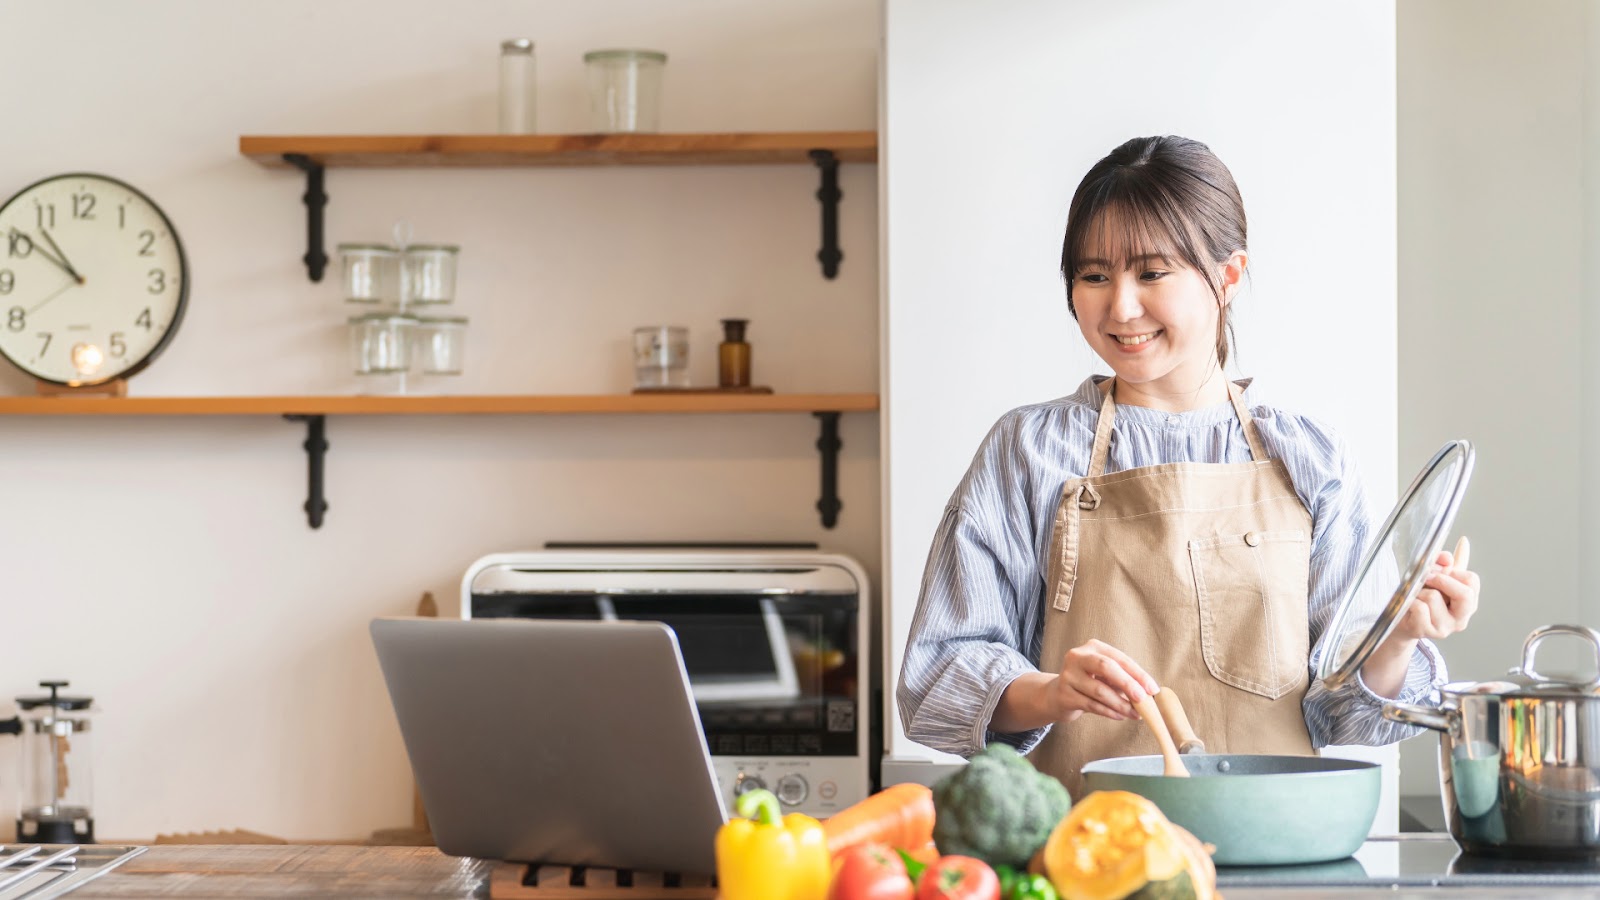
(53, 294)
(45, 253)
(65, 264)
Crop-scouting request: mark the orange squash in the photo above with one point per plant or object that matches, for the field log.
(1115, 845)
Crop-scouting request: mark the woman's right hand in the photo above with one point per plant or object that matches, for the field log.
(1098, 678)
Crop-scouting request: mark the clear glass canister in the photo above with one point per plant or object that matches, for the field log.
(380, 343)
(57, 769)
(661, 357)
(517, 82)
(430, 273)
(441, 344)
(625, 89)
(371, 273)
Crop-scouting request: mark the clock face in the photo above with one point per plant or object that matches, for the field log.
(93, 280)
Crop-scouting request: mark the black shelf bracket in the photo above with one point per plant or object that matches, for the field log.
(316, 198)
(828, 445)
(829, 195)
(316, 447)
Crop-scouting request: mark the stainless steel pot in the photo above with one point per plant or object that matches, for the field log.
(1519, 759)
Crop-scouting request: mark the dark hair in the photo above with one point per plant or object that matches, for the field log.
(1174, 198)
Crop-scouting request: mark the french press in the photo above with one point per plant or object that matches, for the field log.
(55, 784)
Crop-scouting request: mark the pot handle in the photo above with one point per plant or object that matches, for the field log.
(1426, 716)
(1531, 646)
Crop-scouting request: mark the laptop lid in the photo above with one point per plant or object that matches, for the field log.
(563, 742)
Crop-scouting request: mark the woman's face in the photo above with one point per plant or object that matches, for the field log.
(1153, 319)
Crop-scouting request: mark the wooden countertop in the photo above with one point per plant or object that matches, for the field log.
(277, 870)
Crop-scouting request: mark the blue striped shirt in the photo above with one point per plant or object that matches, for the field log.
(979, 620)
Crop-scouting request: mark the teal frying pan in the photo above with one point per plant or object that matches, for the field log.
(1256, 809)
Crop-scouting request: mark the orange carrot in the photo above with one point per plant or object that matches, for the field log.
(900, 816)
(927, 855)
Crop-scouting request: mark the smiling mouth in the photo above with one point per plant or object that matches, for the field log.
(1130, 340)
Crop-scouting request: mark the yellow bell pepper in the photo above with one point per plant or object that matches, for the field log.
(763, 857)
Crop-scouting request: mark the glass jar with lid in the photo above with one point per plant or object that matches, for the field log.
(429, 273)
(370, 273)
(380, 343)
(625, 89)
(518, 103)
(441, 344)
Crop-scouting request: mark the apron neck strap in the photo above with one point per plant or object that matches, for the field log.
(1102, 429)
(1108, 418)
(1246, 421)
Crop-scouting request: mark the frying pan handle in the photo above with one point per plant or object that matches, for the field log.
(1425, 716)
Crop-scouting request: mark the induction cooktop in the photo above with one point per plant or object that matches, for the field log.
(1414, 860)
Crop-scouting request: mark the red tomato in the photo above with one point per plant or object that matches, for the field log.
(959, 878)
(870, 872)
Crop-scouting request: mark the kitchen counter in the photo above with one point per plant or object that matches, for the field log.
(277, 870)
(1417, 864)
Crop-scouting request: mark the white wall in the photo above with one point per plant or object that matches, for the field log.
(164, 565)
(992, 116)
(1589, 314)
(1499, 212)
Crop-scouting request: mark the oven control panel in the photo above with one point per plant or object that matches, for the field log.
(816, 786)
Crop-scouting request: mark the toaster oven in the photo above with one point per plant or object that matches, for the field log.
(774, 643)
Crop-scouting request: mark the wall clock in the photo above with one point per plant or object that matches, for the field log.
(93, 280)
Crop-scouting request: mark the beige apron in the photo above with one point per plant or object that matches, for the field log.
(1199, 572)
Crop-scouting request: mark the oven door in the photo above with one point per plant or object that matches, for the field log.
(773, 650)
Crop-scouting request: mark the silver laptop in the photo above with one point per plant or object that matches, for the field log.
(573, 743)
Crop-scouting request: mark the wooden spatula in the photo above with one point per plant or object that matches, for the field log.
(1171, 764)
(1178, 723)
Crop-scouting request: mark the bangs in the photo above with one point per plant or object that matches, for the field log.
(1121, 232)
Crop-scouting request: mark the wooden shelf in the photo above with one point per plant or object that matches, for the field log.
(314, 154)
(483, 404)
(512, 150)
(313, 412)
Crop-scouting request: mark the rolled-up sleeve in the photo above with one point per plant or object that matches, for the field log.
(1353, 714)
(967, 642)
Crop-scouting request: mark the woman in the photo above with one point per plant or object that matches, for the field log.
(1161, 526)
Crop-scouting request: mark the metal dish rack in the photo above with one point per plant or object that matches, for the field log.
(37, 871)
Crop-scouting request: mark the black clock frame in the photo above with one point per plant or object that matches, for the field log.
(183, 280)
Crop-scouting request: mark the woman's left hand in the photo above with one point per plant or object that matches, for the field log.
(1444, 606)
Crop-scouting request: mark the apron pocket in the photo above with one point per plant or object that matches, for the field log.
(1252, 588)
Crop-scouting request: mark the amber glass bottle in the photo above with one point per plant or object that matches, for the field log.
(733, 355)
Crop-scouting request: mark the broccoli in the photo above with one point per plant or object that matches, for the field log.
(998, 808)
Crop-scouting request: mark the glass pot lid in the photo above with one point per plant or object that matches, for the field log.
(1395, 564)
